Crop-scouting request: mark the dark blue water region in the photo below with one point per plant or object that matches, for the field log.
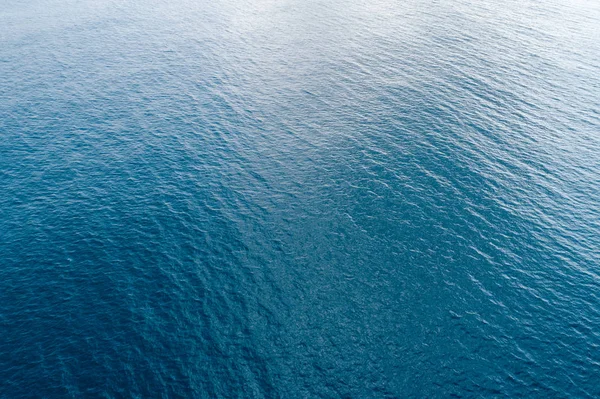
(299, 199)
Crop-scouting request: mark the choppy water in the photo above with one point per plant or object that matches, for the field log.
(297, 199)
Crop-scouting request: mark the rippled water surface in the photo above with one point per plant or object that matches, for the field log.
(299, 198)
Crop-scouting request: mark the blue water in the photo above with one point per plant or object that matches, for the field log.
(299, 199)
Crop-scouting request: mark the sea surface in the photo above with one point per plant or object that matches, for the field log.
(299, 199)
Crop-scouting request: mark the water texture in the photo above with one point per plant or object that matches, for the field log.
(299, 199)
